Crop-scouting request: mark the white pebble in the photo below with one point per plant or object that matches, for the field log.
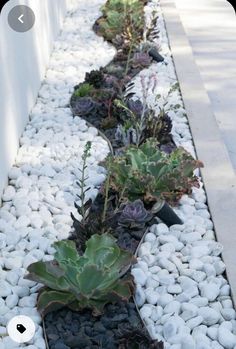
(228, 314)
(174, 289)
(150, 237)
(161, 229)
(9, 193)
(151, 296)
(169, 329)
(194, 322)
(164, 299)
(139, 276)
(210, 291)
(146, 311)
(5, 288)
(210, 316)
(172, 307)
(226, 338)
(12, 301)
(212, 332)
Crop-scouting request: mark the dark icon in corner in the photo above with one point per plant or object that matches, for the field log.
(20, 328)
(233, 3)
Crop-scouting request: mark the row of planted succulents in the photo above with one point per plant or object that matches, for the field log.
(88, 285)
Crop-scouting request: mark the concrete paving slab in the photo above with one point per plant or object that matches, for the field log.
(210, 26)
(218, 174)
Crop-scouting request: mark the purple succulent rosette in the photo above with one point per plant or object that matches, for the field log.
(135, 106)
(84, 106)
(111, 81)
(134, 215)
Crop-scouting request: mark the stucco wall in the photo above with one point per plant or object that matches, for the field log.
(23, 60)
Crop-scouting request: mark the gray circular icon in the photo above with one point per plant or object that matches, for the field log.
(21, 18)
(21, 329)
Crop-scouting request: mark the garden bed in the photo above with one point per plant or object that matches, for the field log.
(178, 279)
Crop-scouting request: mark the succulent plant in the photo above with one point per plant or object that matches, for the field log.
(111, 24)
(88, 281)
(83, 90)
(135, 106)
(134, 215)
(94, 220)
(122, 21)
(95, 78)
(111, 81)
(134, 121)
(147, 173)
(160, 129)
(83, 106)
(141, 59)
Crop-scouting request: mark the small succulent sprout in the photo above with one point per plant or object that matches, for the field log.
(88, 281)
(134, 215)
(141, 59)
(83, 106)
(135, 106)
(83, 90)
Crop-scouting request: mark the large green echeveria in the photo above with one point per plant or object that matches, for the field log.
(88, 281)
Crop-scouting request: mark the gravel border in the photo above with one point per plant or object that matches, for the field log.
(182, 292)
(42, 188)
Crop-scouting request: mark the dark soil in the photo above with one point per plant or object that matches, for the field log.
(119, 327)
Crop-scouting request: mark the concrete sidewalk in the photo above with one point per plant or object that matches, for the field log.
(210, 26)
(206, 68)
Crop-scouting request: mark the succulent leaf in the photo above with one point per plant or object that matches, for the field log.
(49, 274)
(50, 300)
(65, 251)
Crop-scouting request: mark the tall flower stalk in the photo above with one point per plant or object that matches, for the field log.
(82, 182)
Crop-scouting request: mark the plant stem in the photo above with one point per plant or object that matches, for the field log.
(106, 192)
(120, 198)
(128, 58)
(85, 156)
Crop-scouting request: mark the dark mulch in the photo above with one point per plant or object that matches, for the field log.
(119, 327)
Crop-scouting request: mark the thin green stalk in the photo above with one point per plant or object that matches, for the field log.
(128, 59)
(106, 192)
(83, 179)
(120, 198)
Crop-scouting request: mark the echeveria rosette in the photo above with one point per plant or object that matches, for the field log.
(149, 174)
(88, 281)
(83, 106)
(134, 215)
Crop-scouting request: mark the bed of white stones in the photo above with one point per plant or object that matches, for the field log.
(42, 184)
(182, 293)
